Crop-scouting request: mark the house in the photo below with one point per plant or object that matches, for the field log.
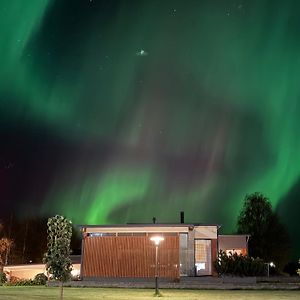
(127, 250)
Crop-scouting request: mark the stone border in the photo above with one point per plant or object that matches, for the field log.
(238, 283)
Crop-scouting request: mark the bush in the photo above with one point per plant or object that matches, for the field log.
(12, 280)
(239, 265)
(291, 268)
(3, 278)
(40, 279)
(20, 282)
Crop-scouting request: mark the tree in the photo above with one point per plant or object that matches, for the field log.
(29, 244)
(57, 257)
(269, 239)
(5, 246)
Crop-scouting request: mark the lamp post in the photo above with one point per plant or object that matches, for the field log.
(270, 264)
(156, 240)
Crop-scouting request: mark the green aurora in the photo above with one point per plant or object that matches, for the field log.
(134, 109)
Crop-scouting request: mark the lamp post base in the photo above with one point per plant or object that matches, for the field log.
(157, 293)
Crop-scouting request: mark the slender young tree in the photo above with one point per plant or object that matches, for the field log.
(57, 258)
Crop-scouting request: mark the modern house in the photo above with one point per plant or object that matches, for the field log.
(127, 250)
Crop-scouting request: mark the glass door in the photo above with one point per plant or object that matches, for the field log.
(203, 257)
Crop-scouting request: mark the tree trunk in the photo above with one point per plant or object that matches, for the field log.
(61, 290)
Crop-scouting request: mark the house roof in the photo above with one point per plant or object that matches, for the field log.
(149, 225)
(201, 230)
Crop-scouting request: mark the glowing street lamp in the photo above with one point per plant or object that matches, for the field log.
(156, 240)
(270, 264)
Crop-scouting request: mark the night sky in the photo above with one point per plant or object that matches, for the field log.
(118, 111)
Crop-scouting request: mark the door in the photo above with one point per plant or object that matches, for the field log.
(203, 262)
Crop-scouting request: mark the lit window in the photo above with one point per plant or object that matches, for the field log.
(234, 251)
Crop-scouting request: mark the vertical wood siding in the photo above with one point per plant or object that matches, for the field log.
(214, 255)
(129, 256)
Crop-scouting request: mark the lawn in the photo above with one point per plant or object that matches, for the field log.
(36, 293)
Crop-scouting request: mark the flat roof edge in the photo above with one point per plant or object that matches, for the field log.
(229, 235)
(149, 225)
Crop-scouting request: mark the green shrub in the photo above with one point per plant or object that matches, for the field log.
(3, 278)
(40, 279)
(239, 265)
(20, 282)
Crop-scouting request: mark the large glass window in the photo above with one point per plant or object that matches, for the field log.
(183, 254)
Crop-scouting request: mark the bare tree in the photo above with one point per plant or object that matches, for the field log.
(5, 246)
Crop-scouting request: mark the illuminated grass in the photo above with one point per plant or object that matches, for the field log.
(36, 293)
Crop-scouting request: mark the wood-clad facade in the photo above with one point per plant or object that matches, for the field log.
(127, 251)
(129, 256)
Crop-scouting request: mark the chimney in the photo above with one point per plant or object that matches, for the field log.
(182, 217)
(154, 220)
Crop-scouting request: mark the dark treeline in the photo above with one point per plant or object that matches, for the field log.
(29, 238)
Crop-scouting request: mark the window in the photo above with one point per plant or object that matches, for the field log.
(101, 234)
(234, 251)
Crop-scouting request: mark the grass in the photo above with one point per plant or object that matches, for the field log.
(39, 293)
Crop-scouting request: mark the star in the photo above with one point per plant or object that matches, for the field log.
(142, 53)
